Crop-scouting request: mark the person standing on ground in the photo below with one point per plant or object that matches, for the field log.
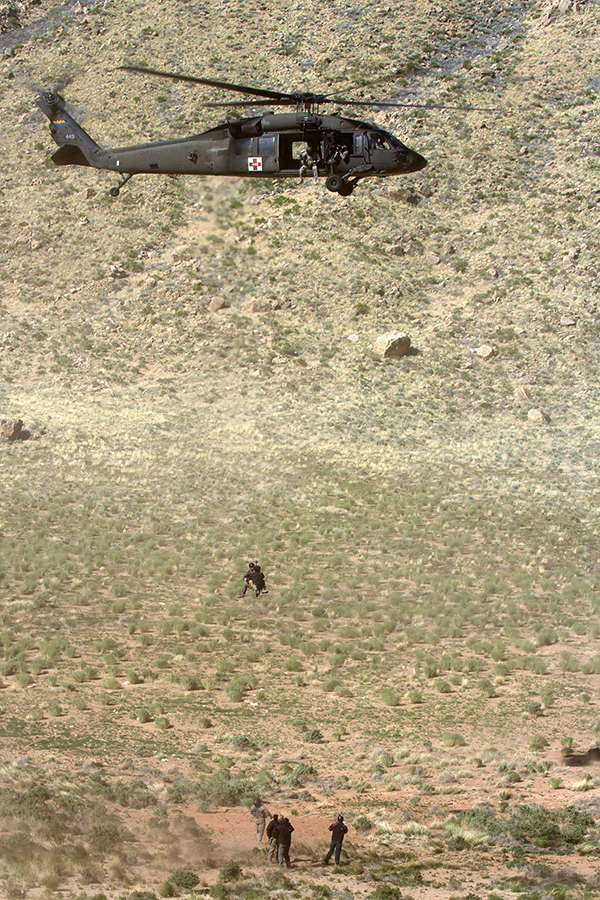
(260, 813)
(284, 836)
(338, 830)
(272, 829)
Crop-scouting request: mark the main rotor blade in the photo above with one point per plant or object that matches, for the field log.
(393, 105)
(241, 103)
(191, 79)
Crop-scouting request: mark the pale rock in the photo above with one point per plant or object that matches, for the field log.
(392, 345)
(217, 303)
(485, 351)
(522, 394)
(538, 417)
(568, 320)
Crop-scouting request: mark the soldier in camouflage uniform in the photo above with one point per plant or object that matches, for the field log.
(260, 814)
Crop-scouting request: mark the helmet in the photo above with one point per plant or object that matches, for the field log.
(340, 818)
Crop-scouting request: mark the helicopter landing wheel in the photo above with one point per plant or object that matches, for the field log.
(334, 183)
(114, 192)
(346, 189)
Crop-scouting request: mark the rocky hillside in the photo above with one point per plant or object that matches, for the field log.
(194, 369)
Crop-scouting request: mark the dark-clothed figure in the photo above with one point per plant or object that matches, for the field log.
(255, 580)
(260, 813)
(260, 585)
(284, 836)
(338, 830)
(272, 831)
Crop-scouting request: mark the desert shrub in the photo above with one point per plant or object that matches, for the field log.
(219, 892)
(549, 828)
(304, 771)
(243, 742)
(362, 823)
(134, 794)
(534, 664)
(538, 742)
(105, 837)
(486, 687)
(313, 736)
(569, 662)
(236, 689)
(386, 892)
(221, 789)
(389, 696)
(184, 879)
(230, 871)
(453, 739)
(566, 746)
(415, 696)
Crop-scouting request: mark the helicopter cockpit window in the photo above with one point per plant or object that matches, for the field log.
(379, 140)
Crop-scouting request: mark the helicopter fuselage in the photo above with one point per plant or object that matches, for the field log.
(272, 145)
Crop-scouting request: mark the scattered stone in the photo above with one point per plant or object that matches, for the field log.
(9, 17)
(522, 394)
(392, 345)
(568, 320)
(118, 271)
(217, 303)
(12, 429)
(484, 352)
(538, 417)
(407, 195)
(427, 190)
(561, 8)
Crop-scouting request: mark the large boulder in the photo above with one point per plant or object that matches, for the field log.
(12, 429)
(392, 345)
(538, 417)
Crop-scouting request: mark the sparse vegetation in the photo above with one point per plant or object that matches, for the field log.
(431, 551)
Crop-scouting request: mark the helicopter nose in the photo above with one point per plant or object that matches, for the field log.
(410, 161)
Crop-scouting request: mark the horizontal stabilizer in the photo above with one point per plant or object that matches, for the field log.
(69, 155)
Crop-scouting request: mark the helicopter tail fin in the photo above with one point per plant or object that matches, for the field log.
(75, 146)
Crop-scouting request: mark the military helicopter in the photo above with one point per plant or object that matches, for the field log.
(270, 145)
